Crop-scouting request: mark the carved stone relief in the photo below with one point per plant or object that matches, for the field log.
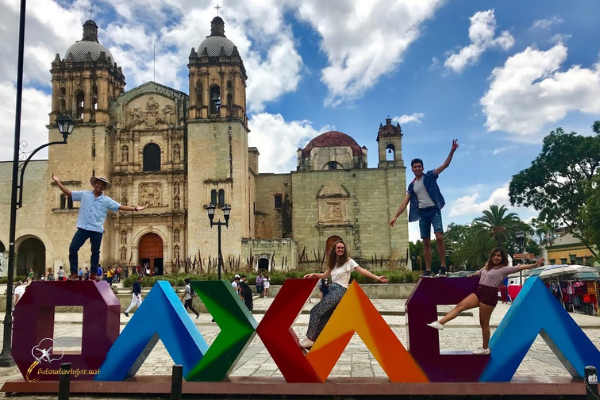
(333, 201)
(150, 115)
(150, 194)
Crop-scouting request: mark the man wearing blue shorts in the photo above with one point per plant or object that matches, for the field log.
(90, 222)
(426, 202)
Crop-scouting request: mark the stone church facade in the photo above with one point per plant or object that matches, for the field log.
(176, 153)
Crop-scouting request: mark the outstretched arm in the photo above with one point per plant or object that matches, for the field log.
(400, 209)
(130, 208)
(538, 263)
(60, 185)
(321, 275)
(369, 274)
(442, 167)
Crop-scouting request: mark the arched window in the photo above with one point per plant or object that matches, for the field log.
(124, 154)
(215, 99)
(390, 152)
(221, 197)
(213, 197)
(80, 103)
(333, 165)
(151, 157)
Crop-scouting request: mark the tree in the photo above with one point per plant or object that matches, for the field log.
(469, 245)
(499, 223)
(590, 214)
(558, 181)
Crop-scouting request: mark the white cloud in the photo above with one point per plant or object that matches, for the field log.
(33, 125)
(278, 140)
(363, 40)
(481, 33)
(546, 23)
(408, 118)
(470, 205)
(530, 91)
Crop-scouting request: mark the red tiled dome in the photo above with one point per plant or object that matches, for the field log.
(332, 139)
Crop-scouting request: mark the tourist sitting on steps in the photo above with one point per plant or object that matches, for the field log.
(486, 294)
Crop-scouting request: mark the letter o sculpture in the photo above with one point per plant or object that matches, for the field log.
(33, 328)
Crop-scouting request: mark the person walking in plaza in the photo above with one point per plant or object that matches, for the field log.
(245, 293)
(90, 221)
(426, 203)
(188, 297)
(266, 286)
(260, 284)
(340, 266)
(136, 295)
(486, 294)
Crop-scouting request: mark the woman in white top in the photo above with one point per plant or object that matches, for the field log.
(340, 266)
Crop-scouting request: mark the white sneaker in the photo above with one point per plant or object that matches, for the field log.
(306, 343)
(436, 325)
(482, 351)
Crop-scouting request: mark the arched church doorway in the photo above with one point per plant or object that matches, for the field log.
(31, 254)
(263, 264)
(151, 253)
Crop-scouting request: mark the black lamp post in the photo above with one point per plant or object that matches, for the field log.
(211, 215)
(65, 127)
(521, 237)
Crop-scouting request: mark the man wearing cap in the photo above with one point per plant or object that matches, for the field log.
(90, 222)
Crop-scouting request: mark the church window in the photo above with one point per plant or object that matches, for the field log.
(390, 151)
(124, 154)
(215, 99)
(66, 202)
(213, 197)
(278, 200)
(151, 157)
(221, 197)
(333, 165)
(80, 103)
(94, 98)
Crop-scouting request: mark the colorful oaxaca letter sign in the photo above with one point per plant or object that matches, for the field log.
(109, 356)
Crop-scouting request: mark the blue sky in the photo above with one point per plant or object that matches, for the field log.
(497, 75)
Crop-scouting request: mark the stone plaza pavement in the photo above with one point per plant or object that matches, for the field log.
(461, 334)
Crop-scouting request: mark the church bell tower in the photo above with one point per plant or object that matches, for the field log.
(217, 144)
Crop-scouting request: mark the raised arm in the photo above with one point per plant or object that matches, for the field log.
(369, 274)
(400, 209)
(60, 185)
(538, 263)
(442, 167)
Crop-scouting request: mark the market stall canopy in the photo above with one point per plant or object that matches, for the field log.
(575, 272)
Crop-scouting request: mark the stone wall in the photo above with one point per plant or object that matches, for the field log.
(280, 253)
(270, 220)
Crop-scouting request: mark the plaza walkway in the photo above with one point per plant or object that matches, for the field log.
(461, 334)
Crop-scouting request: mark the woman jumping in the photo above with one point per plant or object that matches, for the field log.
(340, 266)
(486, 295)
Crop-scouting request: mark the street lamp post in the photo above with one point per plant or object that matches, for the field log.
(211, 215)
(65, 127)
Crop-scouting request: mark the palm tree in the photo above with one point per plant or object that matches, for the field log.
(499, 222)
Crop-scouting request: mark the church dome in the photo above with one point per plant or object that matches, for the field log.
(332, 139)
(213, 44)
(89, 44)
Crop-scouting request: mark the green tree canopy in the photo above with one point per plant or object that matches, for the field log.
(557, 182)
(499, 223)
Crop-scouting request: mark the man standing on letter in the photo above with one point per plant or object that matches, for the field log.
(426, 202)
(90, 221)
